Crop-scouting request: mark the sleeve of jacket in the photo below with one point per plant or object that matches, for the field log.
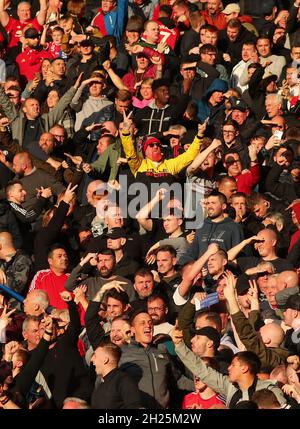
(283, 295)
(72, 281)
(291, 23)
(57, 112)
(25, 379)
(214, 379)
(36, 281)
(21, 272)
(207, 71)
(121, 18)
(29, 216)
(7, 106)
(179, 109)
(255, 175)
(14, 229)
(254, 82)
(237, 235)
(9, 143)
(280, 190)
(253, 342)
(92, 320)
(175, 165)
(192, 252)
(134, 161)
(72, 332)
(185, 321)
(56, 186)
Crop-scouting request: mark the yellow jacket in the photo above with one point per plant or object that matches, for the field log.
(172, 166)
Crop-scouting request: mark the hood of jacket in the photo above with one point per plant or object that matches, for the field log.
(217, 85)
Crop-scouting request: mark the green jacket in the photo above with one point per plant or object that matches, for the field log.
(218, 382)
(269, 356)
(110, 156)
(185, 321)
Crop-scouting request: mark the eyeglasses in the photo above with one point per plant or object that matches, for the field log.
(234, 161)
(153, 145)
(151, 309)
(228, 132)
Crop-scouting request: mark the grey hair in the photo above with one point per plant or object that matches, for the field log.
(277, 98)
(83, 405)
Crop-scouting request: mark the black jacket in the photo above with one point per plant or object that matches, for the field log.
(234, 49)
(117, 391)
(9, 223)
(285, 191)
(152, 120)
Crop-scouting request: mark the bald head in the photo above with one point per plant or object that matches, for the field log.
(287, 279)
(272, 335)
(92, 187)
(22, 164)
(6, 239)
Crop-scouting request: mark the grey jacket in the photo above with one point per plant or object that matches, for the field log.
(18, 118)
(218, 382)
(149, 369)
(154, 373)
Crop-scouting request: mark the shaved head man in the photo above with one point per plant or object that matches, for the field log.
(272, 335)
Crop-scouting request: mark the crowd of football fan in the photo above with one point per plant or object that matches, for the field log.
(149, 204)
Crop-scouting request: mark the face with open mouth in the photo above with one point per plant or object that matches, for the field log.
(142, 328)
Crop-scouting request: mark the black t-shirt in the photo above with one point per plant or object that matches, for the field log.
(32, 132)
(252, 261)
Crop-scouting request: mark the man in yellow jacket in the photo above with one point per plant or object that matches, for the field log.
(153, 165)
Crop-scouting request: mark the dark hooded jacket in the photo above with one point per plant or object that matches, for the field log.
(204, 108)
(225, 233)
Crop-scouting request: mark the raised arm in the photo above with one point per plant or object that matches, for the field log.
(143, 215)
(188, 279)
(4, 17)
(209, 376)
(200, 158)
(116, 80)
(234, 251)
(134, 161)
(41, 16)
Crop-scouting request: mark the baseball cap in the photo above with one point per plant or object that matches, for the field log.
(238, 104)
(149, 141)
(115, 233)
(231, 8)
(210, 333)
(86, 43)
(293, 302)
(31, 33)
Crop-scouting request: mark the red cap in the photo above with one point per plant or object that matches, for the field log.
(148, 141)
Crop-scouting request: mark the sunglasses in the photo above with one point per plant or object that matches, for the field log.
(232, 162)
(153, 145)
